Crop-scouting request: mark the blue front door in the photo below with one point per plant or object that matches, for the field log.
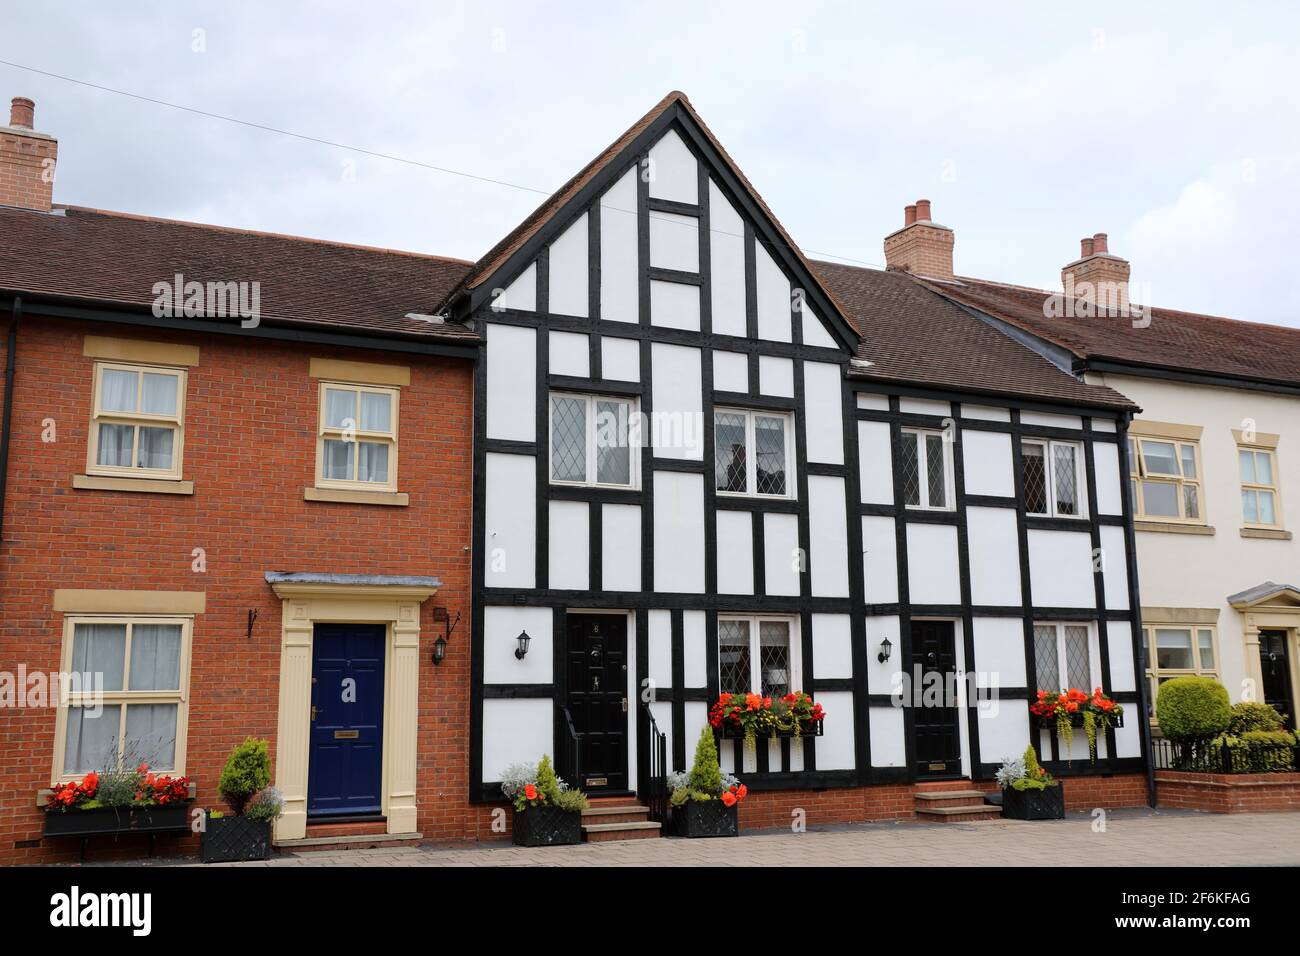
(347, 725)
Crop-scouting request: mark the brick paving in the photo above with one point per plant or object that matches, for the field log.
(1130, 838)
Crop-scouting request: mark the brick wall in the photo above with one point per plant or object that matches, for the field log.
(251, 412)
(27, 163)
(1228, 793)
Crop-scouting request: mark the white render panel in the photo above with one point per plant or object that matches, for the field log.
(824, 412)
(989, 468)
(515, 731)
(695, 671)
(875, 467)
(1049, 420)
(569, 269)
(509, 518)
(776, 376)
(873, 402)
(511, 382)
(879, 559)
(781, 553)
(673, 171)
(568, 354)
(924, 406)
(1110, 491)
(994, 556)
(726, 264)
(618, 251)
(773, 290)
(832, 646)
(697, 716)
(730, 372)
(567, 554)
(986, 413)
(828, 537)
(932, 564)
(659, 634)
(1004, 731)
(679, 532)
(880, 677)
(620, 359)
(620, 558)
(678, 427)
(1060, 568)
(1104, 425)
(735, 552)
(835, 750)
(1114, 556)
(501, 627)
(814, 330)
(674, 242)
(888, 747)
(1000, 651)
(520, 294)
(1119, 635)
(674, 305)
(1127, 741)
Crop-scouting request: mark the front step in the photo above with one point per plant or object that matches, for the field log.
(950, 798)
(356, 841)
(951, 801)
(958, 814)
(618, 819)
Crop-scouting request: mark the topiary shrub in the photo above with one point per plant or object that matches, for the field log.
(547, 782)
(1192, 708)
(247, 771)
(1252, 715)
(706, 774)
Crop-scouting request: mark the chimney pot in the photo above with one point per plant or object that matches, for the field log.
(1085, 248)
(909, 214)
(22, 113)
(1099, 243)
(923, 210)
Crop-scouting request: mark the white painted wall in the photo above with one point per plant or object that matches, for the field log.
(501, 629)
(677, 401)
(620, 551)
(1119, 634)
(924, 406)
(1000, 651)
(994, 556)
(1004, 731)
(874, 463)
(568, 289)
(726, 264)
(776, 376)
(618, 251)
(679, 532)
(1114, 555)
(674, 242)
(835, 747)
(673, 171)
(888, 748)
(675, 305)
(828, 533)
(1060, 568)
(987, 413)
(520, 294)
(988, 463)
(515, 731)
(568, 354)
(510, 525)
(880, 676)
(1110, 483)
(773, 290)
(832, 647)
(730, 372)
(511, 382)
(814, 329)
(620, 359)
(659, 639)
(932, 564)
(880, 559)
(780, 553)
(695, 672)
(735, 552)
(824, 412)
(567, 545)
(1050, 420)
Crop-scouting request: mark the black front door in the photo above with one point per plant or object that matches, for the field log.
(1276, 665)
(936, 747)
(597, 697)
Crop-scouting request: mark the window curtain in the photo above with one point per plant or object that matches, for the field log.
(117, 390)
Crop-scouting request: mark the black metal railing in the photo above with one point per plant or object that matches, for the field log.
(654, 789)
(572, 749)
(1222, 755)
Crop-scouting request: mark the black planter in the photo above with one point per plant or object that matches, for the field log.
(706, 818)
(808, 728)
(233, 839)
(1046, 804)
(1076, 720)
(104, 821)
(546, 826)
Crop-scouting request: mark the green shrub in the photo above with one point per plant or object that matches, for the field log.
(547, 782)
(1035, 778)
(267, 805)
(1188, 708)
(1252, 715)
(571, 801)
(706, 774)
(247, 771)
(1271, 751)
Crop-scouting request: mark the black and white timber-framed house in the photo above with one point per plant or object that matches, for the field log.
(808, 460)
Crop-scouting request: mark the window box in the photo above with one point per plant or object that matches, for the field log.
(705, 818)
(1076, 721)
(233, 839)
(116, 820)
(546, 826)
(1045, 804)
(807, 728)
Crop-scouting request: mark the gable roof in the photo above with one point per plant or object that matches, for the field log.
(673, 106)
(911, 334)
(1262, 592)
(96, 258)
(1173, 341)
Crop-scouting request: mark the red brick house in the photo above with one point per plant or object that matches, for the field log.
(182, 506)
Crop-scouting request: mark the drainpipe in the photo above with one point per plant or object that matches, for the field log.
(7, 426)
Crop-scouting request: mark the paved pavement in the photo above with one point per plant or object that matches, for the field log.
(1130, 837)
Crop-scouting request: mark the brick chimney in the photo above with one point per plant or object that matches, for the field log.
(922, 246)
(1097, 276)
(27, 160)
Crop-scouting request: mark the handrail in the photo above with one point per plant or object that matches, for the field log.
(655, 787)
(575, 747)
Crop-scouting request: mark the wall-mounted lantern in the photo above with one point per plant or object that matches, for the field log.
(440, 645)
(522, 650)
(886, 648)
(439, 651)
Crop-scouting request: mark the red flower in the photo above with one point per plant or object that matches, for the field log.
(530, 791)
(729, 799)
(742, 792)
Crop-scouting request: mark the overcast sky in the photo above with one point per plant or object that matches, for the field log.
(1174, 127)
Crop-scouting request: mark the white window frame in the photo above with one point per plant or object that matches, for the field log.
(633, 443)
(1080, 478)
(923, 470)
(358, 435)
(1153, 669)
(796, 645)
(180, 697)
(1275, 487)
(1139, 473)
(751, 459)
(1062, 661)
(99, 415)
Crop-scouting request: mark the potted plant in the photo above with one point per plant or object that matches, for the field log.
(1029, 792)
(547, 812)
(751, 716)
(1073, 708)
(245, 834)
(704, 800)
(118, 800)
